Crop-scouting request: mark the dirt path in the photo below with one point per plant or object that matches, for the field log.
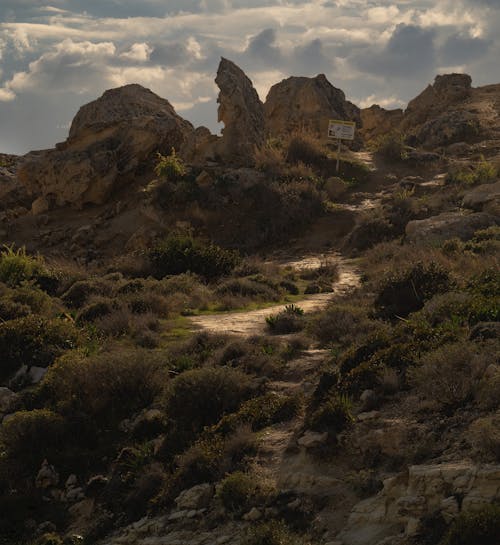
(248, 323)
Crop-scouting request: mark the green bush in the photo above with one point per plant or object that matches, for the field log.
(391, 146)
(170, 167)
(106, 387)
(237, 491)
(16, 266)
(449, 375)
(289, 320)
(79, 292)
(402, 293)
(332, 416)
(480, 527)
(33, 341)
(200, 397)
(97, 309)
(271, 533)
(29, 437)
(306, 150)
(179, 254)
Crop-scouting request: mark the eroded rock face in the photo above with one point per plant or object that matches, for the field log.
(407, 498)
(109, 140)
(306, 104)
(242, 113)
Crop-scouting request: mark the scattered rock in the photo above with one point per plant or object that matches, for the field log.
(485, 330)
(242, 113)
(195, 498)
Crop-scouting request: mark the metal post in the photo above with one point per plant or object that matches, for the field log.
(338, 157)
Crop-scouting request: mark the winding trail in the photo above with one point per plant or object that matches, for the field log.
(253, 322)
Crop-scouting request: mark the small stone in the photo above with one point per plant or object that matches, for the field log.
(195, 498)
(253, 515)
(177, 515)
(47, 477)
(39, 206)
(363, 417)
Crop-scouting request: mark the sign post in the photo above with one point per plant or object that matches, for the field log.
(341, 130)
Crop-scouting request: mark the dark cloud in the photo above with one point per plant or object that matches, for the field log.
(262, 48)
(409, 52)
(460, 49)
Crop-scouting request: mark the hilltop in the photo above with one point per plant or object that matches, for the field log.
(221, 339)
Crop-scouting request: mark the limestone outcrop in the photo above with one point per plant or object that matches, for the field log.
(448, 225)
(242, 113)
(484, 197)
(306, 104)
(407, 498)
(109, 140)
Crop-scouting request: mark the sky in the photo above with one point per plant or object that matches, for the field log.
(56, 55)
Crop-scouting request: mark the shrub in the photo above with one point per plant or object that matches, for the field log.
(261, 412)
(79, 292)
(332, 416)
(170, 167)
(97, 309)
(391, 146)
(289, 320)
(485, 436)
(306, 150)
(237, 491)
(449, 375)
(474, 528)
(369, 231)
(200, 397)
(481, 173)
(270, 533)
(29, 437)
(16, 266)
(249, 287)
(107, 387)
(182, 253)
(33, 341)
(404, 292)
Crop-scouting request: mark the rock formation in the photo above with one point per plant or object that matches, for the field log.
(241, 111)
(378, 121)
(108, 140)
(306, 104)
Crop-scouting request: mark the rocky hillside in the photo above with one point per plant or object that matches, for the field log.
(221, 339)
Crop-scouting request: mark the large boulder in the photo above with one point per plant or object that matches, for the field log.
(448, 225)
(306, 104)
(110, 139)
(242, 113)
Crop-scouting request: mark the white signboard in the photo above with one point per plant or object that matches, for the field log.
(341, 130)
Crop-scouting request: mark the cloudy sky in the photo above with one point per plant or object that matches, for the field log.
(56, 55)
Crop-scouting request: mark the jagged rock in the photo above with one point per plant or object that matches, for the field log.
(482, 196)
(195, 498)
(201, 147)
(448, 89)
(47, 477)
(109, 140)
(242, 113)
(306, 104)
(378, 121)
(448, 225)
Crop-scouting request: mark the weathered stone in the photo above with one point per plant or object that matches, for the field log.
(47, 477)
(378, 121)
(109, 140)
(450, 509)
(481, 196)
(485, 330)
(306, 105)
(7, 399)
(195, 498)
(242, 113)
(448, 225)
(253, 515)
(40, 206)
(312, 439)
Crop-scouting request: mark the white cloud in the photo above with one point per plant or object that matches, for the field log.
(139, 52)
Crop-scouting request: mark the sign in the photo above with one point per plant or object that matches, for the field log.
(341, 130)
